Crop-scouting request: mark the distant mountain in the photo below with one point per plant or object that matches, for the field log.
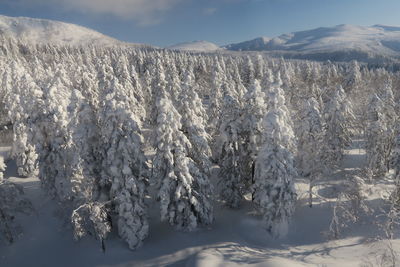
(378, 43)
(342, 42)
(44, 31)
(257, 44)
(196, 46)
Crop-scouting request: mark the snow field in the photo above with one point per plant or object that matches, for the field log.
(236, 238)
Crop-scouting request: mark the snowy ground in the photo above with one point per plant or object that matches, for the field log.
(235, 239)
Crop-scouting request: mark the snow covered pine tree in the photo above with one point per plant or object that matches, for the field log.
(124, 165)
(184, 190)
(310, 134)
(274, 192)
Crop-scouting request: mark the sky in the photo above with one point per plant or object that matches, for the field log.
(167, 22)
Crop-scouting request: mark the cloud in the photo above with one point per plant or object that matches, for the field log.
(209, 11)
(143, 11)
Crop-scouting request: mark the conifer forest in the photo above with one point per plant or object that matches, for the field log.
(125, 141)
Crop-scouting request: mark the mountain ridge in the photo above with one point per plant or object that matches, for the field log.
(196, 46)
(344, 42)
(374, 41)
(45, 31)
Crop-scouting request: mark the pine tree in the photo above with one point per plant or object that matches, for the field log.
(353, 76)
(82, 148)
(124, 166)
(129, 86)
(158, 86)
(216, 95)
(274, 192)
(22, 104)
(267, 80)
(396, 156)
(193, 121)
(259, 67)
(240, 89)
(338, 121)
(51, 138)
(231, 180)
(12, 201)
(184, 189)
(390, 120)
(310, 134)
(251, 129)
(393, 213)
(248, 72)
(375, 136)
(89, 215)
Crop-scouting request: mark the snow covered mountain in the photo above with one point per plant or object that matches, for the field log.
(257, 44)
(48, 31)
(376, 43)
(338, 42)
(197, 46)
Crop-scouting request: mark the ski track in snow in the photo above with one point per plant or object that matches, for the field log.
(235, 239)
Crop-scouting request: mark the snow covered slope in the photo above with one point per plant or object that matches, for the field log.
(197, 46)
(353, 41)
(54, 32)
(257, 44)
(235, 239)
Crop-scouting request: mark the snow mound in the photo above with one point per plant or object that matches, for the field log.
(42, 31)
(197, 46)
